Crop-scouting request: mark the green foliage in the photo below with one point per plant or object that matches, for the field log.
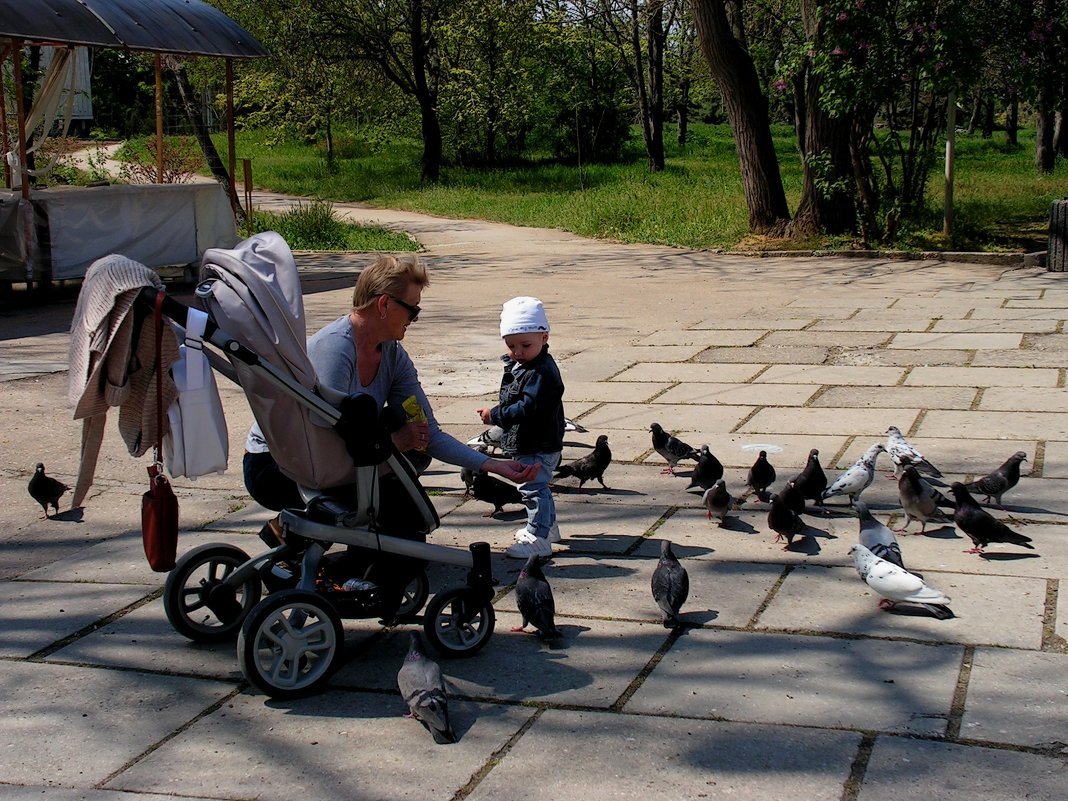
(182, 159)
(315, 226)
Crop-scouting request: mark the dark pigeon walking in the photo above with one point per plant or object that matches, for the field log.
(534, 597)
(491, 490)
(784, 521)
(812, 481)
(718, 502)
(994, 485)
(423, 689)
(591, 466)
(46, 490)
(761, 476)
(708, 471)
(792, 497)
(670, 585)
(671, 448)
(981, 526)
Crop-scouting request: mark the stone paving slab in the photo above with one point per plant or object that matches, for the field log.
(757, 394)
(1033, 399)
(960, 341)
(918, 770)
(647, 759)
(856, 339)
(85, 725)
(862, 357)
(688, 373)
(9, 792)
(902, 397)
(980, 326)
(866, 422)
(847, 606)
(839, 376)
(1033, 357)
(873, 322)
(673, 417)
(1017, 697)
(981, 377)
(704, 338)
(762, 355)
(755, 323)
(598, 364)
(995, 425)
(803, 681)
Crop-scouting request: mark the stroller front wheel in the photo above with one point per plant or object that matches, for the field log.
(199, 601)
(290, 643)
(459, 622)
(414, 596)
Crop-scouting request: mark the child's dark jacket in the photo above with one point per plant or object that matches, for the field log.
(531, 409)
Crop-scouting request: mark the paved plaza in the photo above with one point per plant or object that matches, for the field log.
(787, 681)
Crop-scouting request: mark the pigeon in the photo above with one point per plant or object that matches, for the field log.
(902, 454)
(491, 437)
(858, 477)
(792, 497)
(876, 537)
(718, 501)
(46, 490)
(591, 466)
(671, 448)
(670, 585)
(423, 690)
(534, 597)
(981, 526)
(897, 585)
(485, 487)
(812, 481)
(919, 500)
(761, 476)
(784, 521)
(708, 471)
(994, 485)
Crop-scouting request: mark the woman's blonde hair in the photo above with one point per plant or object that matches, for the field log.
(388, 275)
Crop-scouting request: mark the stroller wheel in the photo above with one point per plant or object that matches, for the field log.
(415, 595)
(459, 622)
(200, 603)
(290, 643)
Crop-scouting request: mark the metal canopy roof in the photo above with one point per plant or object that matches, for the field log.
(160, 26)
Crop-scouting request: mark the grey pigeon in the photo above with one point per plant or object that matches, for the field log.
(903, 454)
(784, 521)
(591, 466)
(981, 526)
(491, 437)
(994, 485)
(858, 477)
(718, 502)
(812, 481)
(671, 448)
(897, 585)
(534, 597)
(761, 476)
(423, 690)
(485, 487)
(876, 537)
(792, 497)
(46, 490)
(708, 471)
(919, 500)
(670, 585)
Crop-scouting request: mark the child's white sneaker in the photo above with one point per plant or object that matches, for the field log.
(527, 545)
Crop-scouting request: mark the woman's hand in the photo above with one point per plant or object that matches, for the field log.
(513, 471)
(412, 436)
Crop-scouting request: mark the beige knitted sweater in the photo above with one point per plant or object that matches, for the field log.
(112, 364)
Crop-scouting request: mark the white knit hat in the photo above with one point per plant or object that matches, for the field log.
(523, 315)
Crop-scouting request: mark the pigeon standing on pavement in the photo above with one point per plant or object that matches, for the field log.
(919, 500)
(670, 585)
(46, 490)
(591, 466)
(812, 481)
(491, 437)
(423, 690)
(994, 485)
(761, 476)
(718, 502)
(981, 526)
(485, 487)
(876, 537)
(897, 585)
(858, 477)
(671, 448)
(784, 522)
(792, 497)
(534, 597)
(903, 454)
(708, 471)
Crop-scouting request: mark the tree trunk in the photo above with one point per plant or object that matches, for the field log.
(1012, 121)
(654, 38)
(426, 97)
(683, 112)
(988, 119)
(1045, 155)
(747, 109)
(1060, 134)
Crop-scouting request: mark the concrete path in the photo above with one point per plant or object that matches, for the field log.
(788, 681)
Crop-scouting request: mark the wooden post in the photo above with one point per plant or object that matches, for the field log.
(951, 138)
(246, 166)
(159, 119)
(24, 172)
(3, 120)
(232, 163)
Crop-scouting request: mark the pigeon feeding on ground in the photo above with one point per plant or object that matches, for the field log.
(485, 487)
(534, 597)
(994, 485)
(670, 585)
(981, 526)
(761, 476)
(920, 500)
(423, 690)
(718, 502)
(858, 477)
(903, 454)
(708, 471)
(491, 437)
(812, 481)
(591, 466)
(46, 490)
(784, 521)
(671, 448)
(876, 537)
(897, 585)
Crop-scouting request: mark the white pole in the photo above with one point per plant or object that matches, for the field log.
(951, 135)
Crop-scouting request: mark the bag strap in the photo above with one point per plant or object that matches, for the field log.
(158, 320)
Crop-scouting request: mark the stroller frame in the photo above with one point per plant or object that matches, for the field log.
(290, 642)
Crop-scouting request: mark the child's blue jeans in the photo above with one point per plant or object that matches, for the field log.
(538, 498)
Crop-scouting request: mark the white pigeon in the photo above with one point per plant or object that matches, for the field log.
(897, 585)
(858, 477)
(904, 455)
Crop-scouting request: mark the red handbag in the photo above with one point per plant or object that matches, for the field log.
(159, 506)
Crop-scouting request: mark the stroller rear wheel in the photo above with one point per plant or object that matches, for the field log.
(414, 596)
(459, 622)
(200, 604)
(290, 643)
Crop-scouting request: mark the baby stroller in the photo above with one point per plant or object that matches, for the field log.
(290, 641)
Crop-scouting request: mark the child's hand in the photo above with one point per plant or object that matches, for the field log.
(485, 415)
